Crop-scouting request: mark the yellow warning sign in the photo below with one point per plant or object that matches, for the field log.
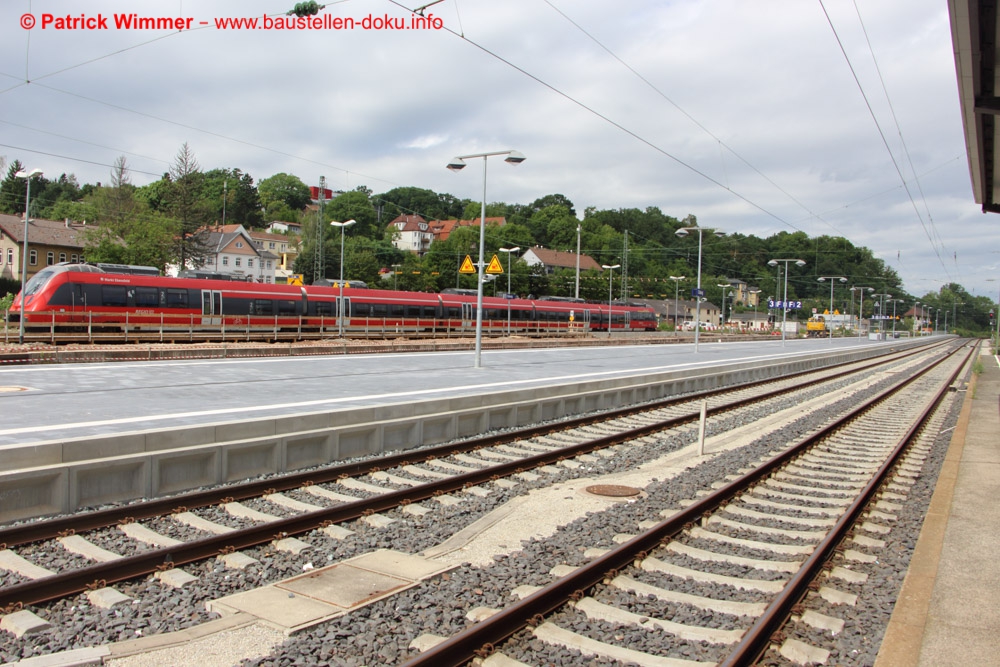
(495, 266)
(467, 266)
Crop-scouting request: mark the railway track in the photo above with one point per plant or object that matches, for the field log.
(775, 529)
(163, 535)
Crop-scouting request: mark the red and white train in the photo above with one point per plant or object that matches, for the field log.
(68, 297)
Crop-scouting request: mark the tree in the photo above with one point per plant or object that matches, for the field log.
(282, 190)
(233, 198)
(12, 190)
(187, 207)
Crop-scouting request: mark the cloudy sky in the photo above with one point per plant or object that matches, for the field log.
(835, 117)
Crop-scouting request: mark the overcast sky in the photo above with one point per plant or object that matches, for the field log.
(746, 114)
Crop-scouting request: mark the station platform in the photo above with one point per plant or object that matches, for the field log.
(947, 612)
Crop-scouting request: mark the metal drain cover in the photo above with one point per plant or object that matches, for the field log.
(612, 490)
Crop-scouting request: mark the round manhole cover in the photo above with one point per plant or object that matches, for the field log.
(612, 490)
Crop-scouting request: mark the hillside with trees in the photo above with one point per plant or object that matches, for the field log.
(159, 223)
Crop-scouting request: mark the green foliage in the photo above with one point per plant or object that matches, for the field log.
(6, 302)
(283, 189)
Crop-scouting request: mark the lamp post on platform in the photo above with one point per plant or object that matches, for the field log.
(682, 232)
(611, 270)
(24, 256)
(458, 163)
(831, 279)
(509, 252)
(677, 281)
(784, 304)
(861, 306)
(340, 305)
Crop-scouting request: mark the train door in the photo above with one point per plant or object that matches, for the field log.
(468, 314)
(626, 320)
(211, 307)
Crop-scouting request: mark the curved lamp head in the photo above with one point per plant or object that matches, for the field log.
(28, 174)
(348, 223)
(682, 232)
(456, 164)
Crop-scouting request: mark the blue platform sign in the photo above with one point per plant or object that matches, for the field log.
(787, 305)
(697, 292)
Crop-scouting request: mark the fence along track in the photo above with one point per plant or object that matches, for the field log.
(530, 612)
(49, 588)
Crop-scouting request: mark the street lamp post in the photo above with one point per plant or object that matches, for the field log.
(881, 313)
(722, 324)
(340, 303)
(861, 304)
(611, 273)
(894, 302)
(509, 252)
(677, 281)
(513, 157)
(753, 295)
(395, 272)
(24, 252)
(682, 232)
(784, 304)
(831, 279)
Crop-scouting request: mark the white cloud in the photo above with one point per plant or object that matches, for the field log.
(384, 108)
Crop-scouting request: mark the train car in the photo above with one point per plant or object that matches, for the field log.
(71, 297)
(816, 326)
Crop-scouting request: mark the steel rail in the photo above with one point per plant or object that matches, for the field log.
(35, 531)
(481, 638)
(758, 637)
(63, 584)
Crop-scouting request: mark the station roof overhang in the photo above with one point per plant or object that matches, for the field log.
(975, 38)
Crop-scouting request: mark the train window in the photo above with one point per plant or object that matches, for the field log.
(286, 307)
(177, 298)
(379, 310)
(146, 297)
(396, 310)
(324, 308)
(113, 295)
(263, 306)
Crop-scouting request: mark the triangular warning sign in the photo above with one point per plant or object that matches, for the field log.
(467, 266)
(495, 266)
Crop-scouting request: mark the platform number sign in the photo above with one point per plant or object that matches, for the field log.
(787, 305)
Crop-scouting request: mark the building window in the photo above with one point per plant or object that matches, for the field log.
(74, 258)
(238, 261)
(10, 256)
(269, 264)
(50, 258)
(271, 245)
(62, 257)
(33, 257)
(239, 244)
(210, 260)
(225, 261)
(249, 262)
